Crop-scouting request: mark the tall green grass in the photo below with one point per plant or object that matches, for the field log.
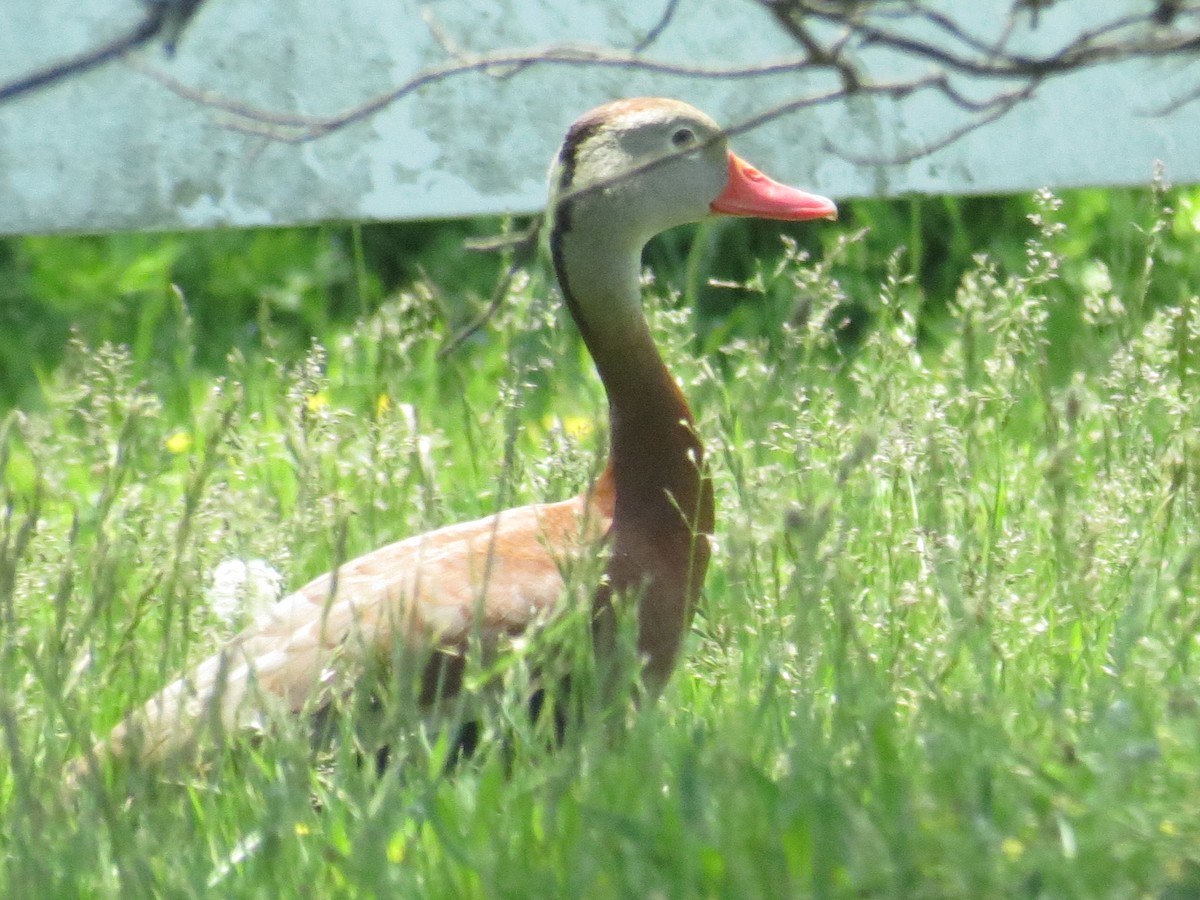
(945, 648)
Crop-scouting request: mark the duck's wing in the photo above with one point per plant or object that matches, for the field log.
(491, 577)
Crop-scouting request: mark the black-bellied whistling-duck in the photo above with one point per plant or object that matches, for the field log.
(625, 172)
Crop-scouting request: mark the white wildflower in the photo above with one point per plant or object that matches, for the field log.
(242, 589)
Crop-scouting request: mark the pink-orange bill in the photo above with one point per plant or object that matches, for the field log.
(751, 193)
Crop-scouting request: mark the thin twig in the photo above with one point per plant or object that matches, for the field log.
(522, 245)
(499, 294)
(164, 18)
(295, 128)
(658, 28)
(881, 24)
(1173, 106)
(990, 111)
(1088, 48)
(143, 32)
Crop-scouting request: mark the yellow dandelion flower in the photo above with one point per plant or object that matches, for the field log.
(1167, 827)
(577, 427)
(316, 402)
(382, 404)
(1012, 848)
(178, 442)
(396, 849)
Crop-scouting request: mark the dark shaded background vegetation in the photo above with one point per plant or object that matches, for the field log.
(312, 283)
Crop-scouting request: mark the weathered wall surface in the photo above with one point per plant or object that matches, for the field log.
(118, 150)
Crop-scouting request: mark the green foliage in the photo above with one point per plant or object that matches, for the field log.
(296, 284)
(945, 648)
(286, 287)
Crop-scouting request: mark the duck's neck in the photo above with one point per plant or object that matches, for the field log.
(655, 453)
(664, 507)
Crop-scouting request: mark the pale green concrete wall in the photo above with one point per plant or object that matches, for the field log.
(116, 150)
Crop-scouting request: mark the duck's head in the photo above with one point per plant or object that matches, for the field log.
(642, 166)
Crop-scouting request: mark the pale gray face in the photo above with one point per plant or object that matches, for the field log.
(656, 164)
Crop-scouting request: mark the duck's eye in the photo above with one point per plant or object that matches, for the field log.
(682, 137)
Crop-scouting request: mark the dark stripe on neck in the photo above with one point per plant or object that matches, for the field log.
(568, 159)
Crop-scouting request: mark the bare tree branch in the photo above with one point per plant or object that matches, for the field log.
(832, 35)
(658, 28)
(891, 23)
(986, 112)
(294, 128)
(1177, 104)
(856, 42)
(164, 19)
